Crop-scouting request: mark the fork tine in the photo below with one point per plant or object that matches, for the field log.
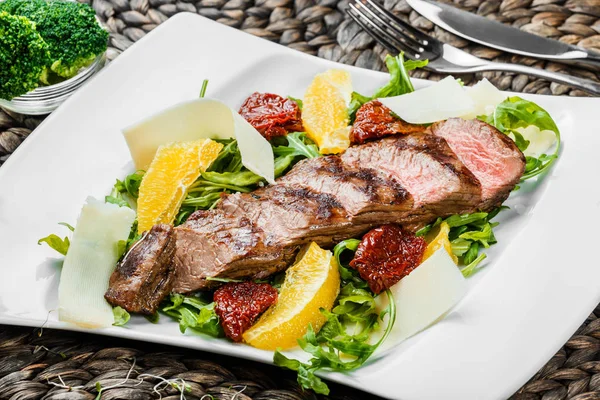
(394, 29)
(386, 39)
(421, 38)
(376, 35)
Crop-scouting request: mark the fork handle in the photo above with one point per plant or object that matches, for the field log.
(579, 83)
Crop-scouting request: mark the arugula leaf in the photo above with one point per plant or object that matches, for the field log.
(298, 145)
(193, 313)
(223, 280)
(121, 248)
(399, 83)
(203, 88)
(56, 243)
(348, 274)
(153, 319)
(468, 234)
(297, 101)
(485, 236)
(116, 200)
(334, 347)
(460, 246)
(131, 184)
(227, 174)
(516, 112)
(69, 226)
(465, 219)
(306, 376)
(472, 267)
(121, 316)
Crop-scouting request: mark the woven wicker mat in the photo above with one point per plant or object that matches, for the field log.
(30, 364)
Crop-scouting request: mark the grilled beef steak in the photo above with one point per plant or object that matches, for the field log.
(145, 275)
(404, 179)
(491, 156)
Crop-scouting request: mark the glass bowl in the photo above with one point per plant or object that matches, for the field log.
(45, 99)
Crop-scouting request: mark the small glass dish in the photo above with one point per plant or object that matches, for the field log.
(45, 99)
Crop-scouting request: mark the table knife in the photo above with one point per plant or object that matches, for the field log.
(500, 36)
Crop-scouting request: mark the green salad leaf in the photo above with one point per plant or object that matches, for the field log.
(343, 343)
(514, 113)
(297, 101)
(56, 243)
(118, 200)
(69, 226)
(194, 313)
(226, 174)
(121, 316)
(399, 83)
(468, 234)
(130, 185)
(203, 88)
(298, 144)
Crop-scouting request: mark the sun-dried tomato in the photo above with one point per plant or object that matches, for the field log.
(238, 305)
(387, 254)
(271, 115)
(374, 120)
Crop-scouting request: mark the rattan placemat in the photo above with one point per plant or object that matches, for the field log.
(30, 364)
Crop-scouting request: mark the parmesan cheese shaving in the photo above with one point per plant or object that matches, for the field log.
(442, 100)
(425, 295)
(200, 119)
(90, 261)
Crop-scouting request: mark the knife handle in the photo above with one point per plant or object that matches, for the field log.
(579, 83)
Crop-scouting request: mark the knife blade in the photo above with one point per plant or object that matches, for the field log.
(500, 36)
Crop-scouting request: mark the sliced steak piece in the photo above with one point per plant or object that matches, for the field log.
(357, 190)
(290, 215)
(405, 179)
(368, 197)
(145, 275)
(426, 167)
(489, 154)
(215, 244)
(374, 121)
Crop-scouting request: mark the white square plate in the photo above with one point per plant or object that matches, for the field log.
(542, 280)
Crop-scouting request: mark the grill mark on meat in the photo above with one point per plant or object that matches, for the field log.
(408, 180)
(216, 244)
(424, 165)
(288, 214)
(296, 198)
(357, 190)
(145, 275)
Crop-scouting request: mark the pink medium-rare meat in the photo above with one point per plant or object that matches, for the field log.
(408, 180)
(425, 166)
(490, 155)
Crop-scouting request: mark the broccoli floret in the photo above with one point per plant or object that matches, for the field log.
(15, 6)
(24, 56)
(71, 30)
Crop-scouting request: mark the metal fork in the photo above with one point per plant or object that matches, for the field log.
(398, 36)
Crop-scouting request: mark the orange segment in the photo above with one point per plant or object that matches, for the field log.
(325, 111)
(174, 167)
(313, 282)
(438, 238)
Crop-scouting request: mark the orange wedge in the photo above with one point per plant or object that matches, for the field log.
(325, 111)
(313, 282)
(174, 168)
(437, 239)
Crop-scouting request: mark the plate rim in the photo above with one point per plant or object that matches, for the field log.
(354, 379)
